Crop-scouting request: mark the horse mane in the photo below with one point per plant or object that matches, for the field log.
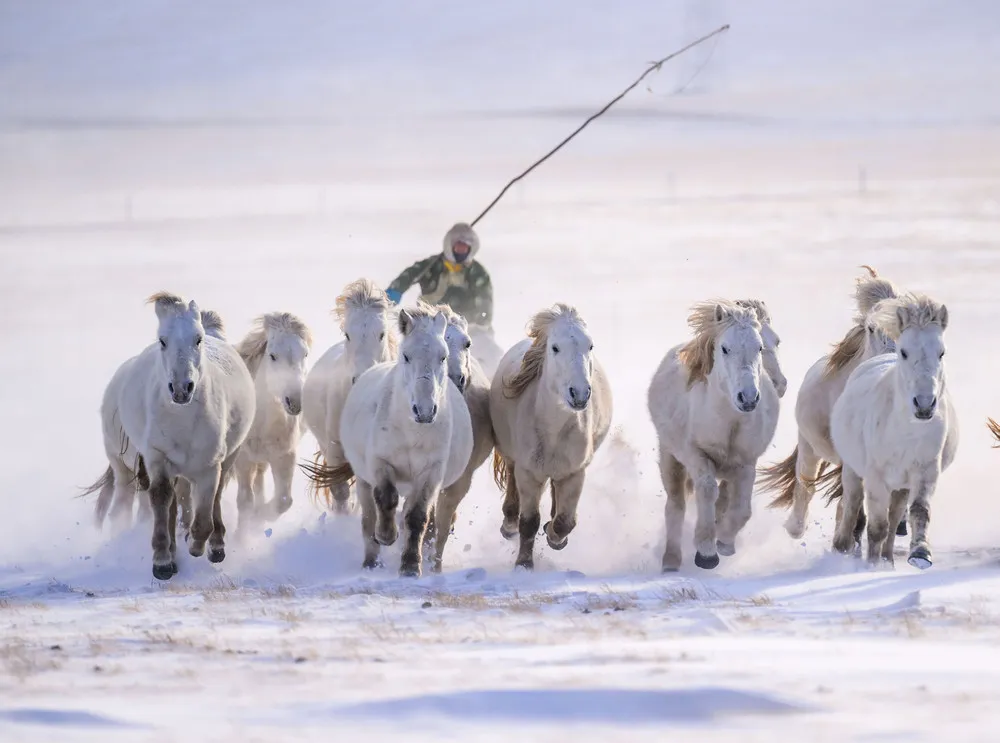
(213, 324)
(452, 317)
(698, 354)
(166, 301)
(253, 345)
(912, 310)
(758, 306)
(868, 291)
(421, 311)
(995, 430)
(534, 357)
(364, 294)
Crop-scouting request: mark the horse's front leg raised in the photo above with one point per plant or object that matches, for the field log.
(565, 497)
(529, 490)
(386, 497)
(161, 499)
(282, 470)
(920, 518)
(807, 466)
(203, 487)
(675, 484)
(847, 518)
(217, 541)
(738, 510)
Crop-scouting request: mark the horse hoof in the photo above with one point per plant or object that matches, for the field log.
(670, 569)
(709, 562)
(527, 565)
(726, 550)
(920, 558)
(371, 563)
(901, 530)
(508, 533)
(796, 530)
(553, 544)
(409, 571)
(436, 567)
(164, 572)
(217, 554)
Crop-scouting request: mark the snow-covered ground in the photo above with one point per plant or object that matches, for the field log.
(258, 156)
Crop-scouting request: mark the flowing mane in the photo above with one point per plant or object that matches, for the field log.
(253, 345)
(869, 291)
(213, 324)
(698, 354)
(450, 315)
(364, 294)
(166, 301)
(912, 310)
(758, 306)
(534, 357)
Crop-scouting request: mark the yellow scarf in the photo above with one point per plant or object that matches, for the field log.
(452, 267)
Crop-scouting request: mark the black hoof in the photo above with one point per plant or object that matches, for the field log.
(528, 565)
(371, 564)
(164, 572)
(706, 563)
(217, 554)
(409, 571)
(554, 545)
(901, 530)
(920, 558)
(508, 534)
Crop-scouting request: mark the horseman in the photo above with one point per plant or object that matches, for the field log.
(454, 277)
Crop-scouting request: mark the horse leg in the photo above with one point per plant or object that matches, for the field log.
(161, 499)
(203, 487)
(340, 493)
(415, 522)
(245, 471)
(901, 526)
(511, 504)
(877, 502)
(529, 490)
(182, 491)
(172, 528)
(217, 541)
(124, 497)
(145, 511)
(386, 502)
(739, 511)
(675, 483)
(444, 513)
(565, 499)
(706, 490)
(258, 486)
(722, 505)
(851, 501)
(897, 511)
(807, 466)
(920, 518)
(369, 517)
(282, 470)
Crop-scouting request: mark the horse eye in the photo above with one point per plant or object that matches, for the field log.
(163, 342)
(443, 359)
(941, 355)
(381, 336)
(904, 354)
(871, 328)
(468, 344)
(347, 337)
(197, 341)
(406, 358)
(591, 347)
(273, 357)
(761, 349)
(555, 349)
(725, 351)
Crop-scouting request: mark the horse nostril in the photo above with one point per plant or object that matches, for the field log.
(934, 402)
(916, 403)
(756, 397)
(434, 411)
(740, 398)
(189, 387)
(170, 386)
(572, 393)
(415, 411)
(461, 380)
(288, 401)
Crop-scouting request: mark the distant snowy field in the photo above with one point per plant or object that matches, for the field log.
(258, 156)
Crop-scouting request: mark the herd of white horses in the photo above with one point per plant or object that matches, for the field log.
(402, 410)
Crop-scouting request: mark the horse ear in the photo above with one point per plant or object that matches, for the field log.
(440, 323)
(405, 321)
(902, 318)
(720, 313)
(193, 309)
(943, 316)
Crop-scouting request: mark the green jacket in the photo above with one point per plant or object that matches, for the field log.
(468, 291)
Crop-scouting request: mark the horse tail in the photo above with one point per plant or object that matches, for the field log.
(322, 477)
(995, 430)
(780, 477)
(500, 467)
(105, 487)
(830, 483)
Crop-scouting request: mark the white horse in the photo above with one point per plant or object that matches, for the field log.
(367, 318)
(794, 479)
(407, 433)
(714, 414)
(275, 352)
(551, 406)
(468, 376)
(126, 474)
(895, 429)
(186, 403)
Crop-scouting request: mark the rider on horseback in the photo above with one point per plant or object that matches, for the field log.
(452, 277)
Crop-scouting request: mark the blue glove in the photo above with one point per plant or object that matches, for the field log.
(393, 295)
